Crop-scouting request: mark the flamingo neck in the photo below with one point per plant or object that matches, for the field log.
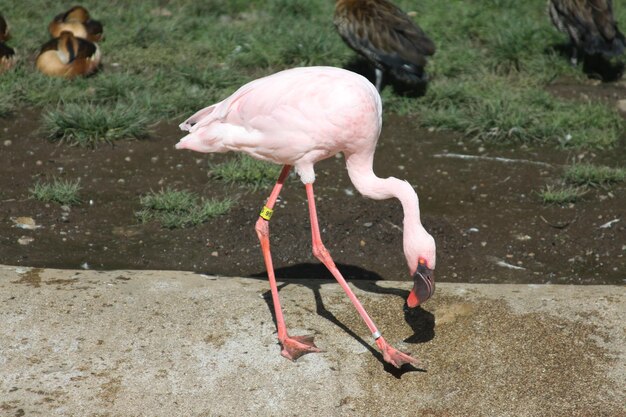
(369, 185)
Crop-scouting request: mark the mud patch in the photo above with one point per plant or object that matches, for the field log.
(478, 211)
(31, 277)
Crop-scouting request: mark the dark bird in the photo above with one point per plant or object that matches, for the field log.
(77, 21)
(7, 57)
(590, 25)
(4, 30)
(7, 54)
(68, 56)
(386, 36)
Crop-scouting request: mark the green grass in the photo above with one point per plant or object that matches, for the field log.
(59, 191)
(593, 175)
(6, 105)
(246, 171)
(179, 209)
(90, 125)
(560, 194)
(164, 60)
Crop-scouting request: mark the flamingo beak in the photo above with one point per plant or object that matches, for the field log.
(423, 286)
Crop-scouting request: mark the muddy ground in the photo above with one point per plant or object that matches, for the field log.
(489, 223)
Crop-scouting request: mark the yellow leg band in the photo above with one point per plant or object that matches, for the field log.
(266, 213)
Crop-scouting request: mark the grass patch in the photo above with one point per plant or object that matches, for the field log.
(246, 171)
(167, 60)
(593, 175)
(179, 209)
(60, 191)
(517, 112)
(89, 125)
(6, 105)
(560, 194)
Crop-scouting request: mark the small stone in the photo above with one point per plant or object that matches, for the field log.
(27, 223)
(7, 142)
(127, 159)
(39, 163)
(25, 240)
(215, 253)
(368, 224)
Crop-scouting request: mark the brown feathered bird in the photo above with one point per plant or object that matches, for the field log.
(590, 25)
(68, 56)
(7, 54)
(386, 36)
(77, 21)
(4, 30)
(7, 57)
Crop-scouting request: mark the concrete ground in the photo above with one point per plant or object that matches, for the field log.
(167, 343)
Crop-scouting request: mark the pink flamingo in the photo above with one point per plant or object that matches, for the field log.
(296, 118)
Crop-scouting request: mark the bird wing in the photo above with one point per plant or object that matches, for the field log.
(602, 14)
(217, 111)
(588, 17)
(4, 30)
(383, 33)
(51, 45)
(296, 113)
(6, 51)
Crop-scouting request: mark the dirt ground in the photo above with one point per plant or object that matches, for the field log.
(486, 216)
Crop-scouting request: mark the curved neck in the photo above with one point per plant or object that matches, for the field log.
(367, 183)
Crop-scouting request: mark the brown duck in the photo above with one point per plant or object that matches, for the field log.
(386, 36)
(7, 54)
(590, 25)
(77, 21)
(4, 30)
(68, 56)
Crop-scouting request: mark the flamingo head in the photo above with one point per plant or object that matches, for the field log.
(421, 259)
(423, 284)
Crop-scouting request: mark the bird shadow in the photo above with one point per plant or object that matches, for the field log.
(594, 66)
(363, 67)
(421, 321)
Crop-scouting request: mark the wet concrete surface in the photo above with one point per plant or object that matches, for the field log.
(168, 343)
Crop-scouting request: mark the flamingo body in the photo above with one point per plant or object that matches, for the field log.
(298, 117)
(269, 119)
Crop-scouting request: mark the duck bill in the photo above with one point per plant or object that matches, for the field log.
(423, 286)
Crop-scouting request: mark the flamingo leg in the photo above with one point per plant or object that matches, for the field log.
(296, 346)
(390, 354)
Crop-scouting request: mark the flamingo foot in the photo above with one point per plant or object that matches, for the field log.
(395, 357)
(296, 346)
